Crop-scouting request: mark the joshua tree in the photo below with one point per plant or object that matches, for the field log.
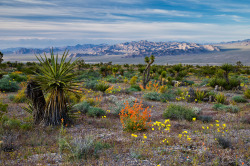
(55, 79)
(146, 72)
(80, 64)
(1, 57)
(227, 69)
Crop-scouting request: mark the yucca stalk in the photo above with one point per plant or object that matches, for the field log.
(56, 79)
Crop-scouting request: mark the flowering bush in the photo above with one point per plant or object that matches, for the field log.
(135, 118)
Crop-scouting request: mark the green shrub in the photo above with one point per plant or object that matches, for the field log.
(12, 123)
(83, 107)
(133, 80)
(204, 118)
(220, 98)
(95, 112)
(11, 97)
(20, 97)
(219, 106)
(86, 147)
(239, 99)
(8, 85)
(18, 77)
(232, 109)
(89, 75)
(134, 86)
(187, 82)
(204, 82)
(200, 95)
(233, 83)
(113, 79)
(26, 126)
(3, 109)
(247, 93)
(167, 96)
(155, 96)
(102, 87)
(91, 84)
(179, 112)
(120, 104)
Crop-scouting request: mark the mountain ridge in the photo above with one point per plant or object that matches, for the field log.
(140, 48)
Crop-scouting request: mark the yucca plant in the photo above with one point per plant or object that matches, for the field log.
(55, 79)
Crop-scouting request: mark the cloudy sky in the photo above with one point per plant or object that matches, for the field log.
(43, 23)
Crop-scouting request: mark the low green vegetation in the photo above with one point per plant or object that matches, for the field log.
(131, 114)
(179, 112)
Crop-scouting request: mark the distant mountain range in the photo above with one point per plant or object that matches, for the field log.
(128, 49)
(239, 42)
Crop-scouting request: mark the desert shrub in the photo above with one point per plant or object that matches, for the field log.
(102, 87)
(83, 107)
(135, 118)
(179, 112)
(220, 98)
(11, 97)
(91, 84)
(224, 142)
(200, 95)
(20, 97)
(178, 92)
(120, 104)
(11, 123)
(232, 108)
(3, 109)
(95, 112)
(219, 106)
(239, 99)
(196, 110)
(204, 82)
(133, 80)
(112, 79)
(204, 118)
(247, 93)
(18, 77)
(91, 101)
(26, 126)
(211, 93)
(73, 97)
(89, 75)
(217, 81)
(163, 89)
(187, 82)
(125, 80)
(181, 75)
(167, 96)
(136, 87)
(87, 147)
(233, 83)
(8, 85)
(155, 96)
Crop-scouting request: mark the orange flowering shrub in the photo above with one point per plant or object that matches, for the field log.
(135, 118)
(151, 86)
